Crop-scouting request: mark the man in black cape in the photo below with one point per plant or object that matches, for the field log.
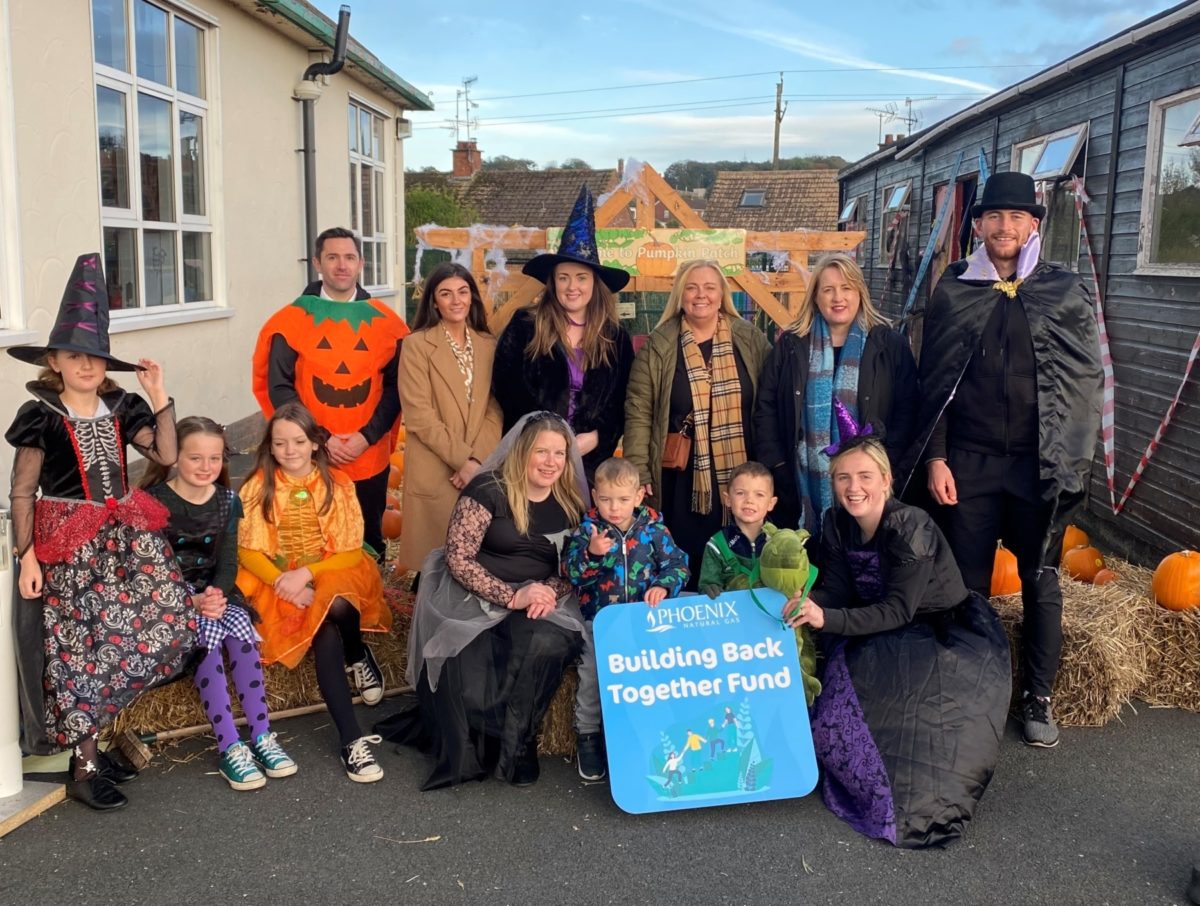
(1011, 382)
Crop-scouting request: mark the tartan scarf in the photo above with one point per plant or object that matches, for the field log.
(820, 427)
(717, 410)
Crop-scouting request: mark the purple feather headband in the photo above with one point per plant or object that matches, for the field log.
(848, 429)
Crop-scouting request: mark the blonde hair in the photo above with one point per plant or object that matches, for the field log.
(675, 300)
(868, 315)
(513, 480)
(617, 471)
(550, 323)
(874, 449)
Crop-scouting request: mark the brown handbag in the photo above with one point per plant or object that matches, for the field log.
(678, 448)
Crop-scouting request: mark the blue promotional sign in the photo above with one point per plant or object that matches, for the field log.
(703, 703)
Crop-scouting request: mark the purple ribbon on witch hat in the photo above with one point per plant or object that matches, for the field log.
(848, 428)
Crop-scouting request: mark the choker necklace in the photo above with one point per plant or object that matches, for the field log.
(575, 323)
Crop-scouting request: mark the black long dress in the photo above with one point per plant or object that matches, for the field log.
(485, 675)
(691, 530)
(915, 687)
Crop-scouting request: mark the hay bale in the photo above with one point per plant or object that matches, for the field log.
(557, 736)
(1172, 654)
(177, 705)
(1104, 646)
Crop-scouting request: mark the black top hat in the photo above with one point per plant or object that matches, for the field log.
(578, 246)
(1009, 192)
(82, 322)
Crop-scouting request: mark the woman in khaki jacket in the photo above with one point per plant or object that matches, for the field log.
(450, 416)
(696, 374)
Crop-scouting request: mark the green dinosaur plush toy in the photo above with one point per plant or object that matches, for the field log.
(784, 567)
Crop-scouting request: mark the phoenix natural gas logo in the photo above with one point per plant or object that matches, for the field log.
(690, 615)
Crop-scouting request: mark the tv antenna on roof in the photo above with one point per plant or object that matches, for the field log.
(885, 115)
(463, 105)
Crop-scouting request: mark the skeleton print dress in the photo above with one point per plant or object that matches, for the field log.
(115, 615)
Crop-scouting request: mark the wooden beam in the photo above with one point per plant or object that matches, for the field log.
(643, 213)
(499, 318)
(617, 202)
(508, 238)
(762, 297)
(802, 242)
(661, 189)
(643, 284)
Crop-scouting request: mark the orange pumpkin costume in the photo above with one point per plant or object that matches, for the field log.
(329, 544)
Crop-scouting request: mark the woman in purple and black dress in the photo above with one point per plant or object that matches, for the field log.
(916, 680)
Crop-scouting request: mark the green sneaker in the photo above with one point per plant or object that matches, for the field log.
(270, 754)
(239, 770)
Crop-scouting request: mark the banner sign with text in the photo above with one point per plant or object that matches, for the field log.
(657, 253)
(703, 703)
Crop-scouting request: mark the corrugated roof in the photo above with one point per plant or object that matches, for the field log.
(792, 200)
(535, 198)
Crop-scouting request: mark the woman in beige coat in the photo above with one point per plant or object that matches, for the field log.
(450, 416)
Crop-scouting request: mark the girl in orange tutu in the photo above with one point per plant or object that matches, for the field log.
(303, 569)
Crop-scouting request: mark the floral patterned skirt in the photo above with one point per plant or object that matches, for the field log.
(116, 622)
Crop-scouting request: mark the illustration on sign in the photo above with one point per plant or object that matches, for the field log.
(703, 703)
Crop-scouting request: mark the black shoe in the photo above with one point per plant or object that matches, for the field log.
(590, 757)
(526, 770)
(1193, 890)
(115, 768)
(1038, 728)
(359, 762)
(368, 678)
(96, 792)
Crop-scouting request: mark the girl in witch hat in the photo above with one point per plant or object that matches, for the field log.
(568, 354)
(115, 615)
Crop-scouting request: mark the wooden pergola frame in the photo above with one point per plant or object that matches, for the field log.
(769, 291)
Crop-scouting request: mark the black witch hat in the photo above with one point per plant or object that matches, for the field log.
(82, 322)
(578, 246)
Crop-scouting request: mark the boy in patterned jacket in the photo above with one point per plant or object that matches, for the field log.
(620, 553)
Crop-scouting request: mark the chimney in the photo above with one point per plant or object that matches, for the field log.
(467, 160)
(900, 137)
(620, 168)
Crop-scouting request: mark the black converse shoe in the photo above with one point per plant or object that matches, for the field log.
(590, 758)
(359, 762)
(368, 678)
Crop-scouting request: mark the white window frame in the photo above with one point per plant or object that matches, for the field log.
(1050, 182)
(12, 313)
(130, 85)
(851, 208)
(891, 202)
(1079, 130)
(382, 237)
(761, 194)
(1150, 177)
(1191, 138)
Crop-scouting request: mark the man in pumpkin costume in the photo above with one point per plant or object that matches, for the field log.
(337, 350)
(1010, 380)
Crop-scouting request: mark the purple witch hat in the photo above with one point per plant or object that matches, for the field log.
(82, 322)
(578, 246)
(848, 430)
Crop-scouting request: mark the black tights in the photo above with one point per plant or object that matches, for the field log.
(337, 643)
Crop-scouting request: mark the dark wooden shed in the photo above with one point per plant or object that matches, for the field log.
(1124, 116)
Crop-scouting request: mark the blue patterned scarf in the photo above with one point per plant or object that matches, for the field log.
(819, 429)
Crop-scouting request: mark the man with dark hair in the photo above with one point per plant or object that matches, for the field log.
(337, 350)
(1010, 384)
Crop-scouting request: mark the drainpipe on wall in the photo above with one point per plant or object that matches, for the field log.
(308, 92)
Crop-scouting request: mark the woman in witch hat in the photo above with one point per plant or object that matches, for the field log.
(115, 616)
(568, 353)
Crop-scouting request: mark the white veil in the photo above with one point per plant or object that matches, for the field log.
(496, 459)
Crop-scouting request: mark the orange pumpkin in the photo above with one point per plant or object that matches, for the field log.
(656, 259)
(392, 523)
(1083, 563)
(401, 434)
(1005, 580)
(1176, 581)
(395, 476)
(1104, 576)
(1074, 537)
(397, 459)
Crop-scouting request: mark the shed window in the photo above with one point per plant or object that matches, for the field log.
(891, 220)
(753, 198)
(1171, 192)
(1052, 160)
(848, 211)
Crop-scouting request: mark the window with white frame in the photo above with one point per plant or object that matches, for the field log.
(1171, 194)
(853, 213)
(368, 191)
(1053, 160)
(893, 205)
(151, 113)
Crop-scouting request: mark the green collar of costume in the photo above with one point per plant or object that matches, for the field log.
(356, 312)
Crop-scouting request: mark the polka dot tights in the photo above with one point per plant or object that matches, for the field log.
(246, 669)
